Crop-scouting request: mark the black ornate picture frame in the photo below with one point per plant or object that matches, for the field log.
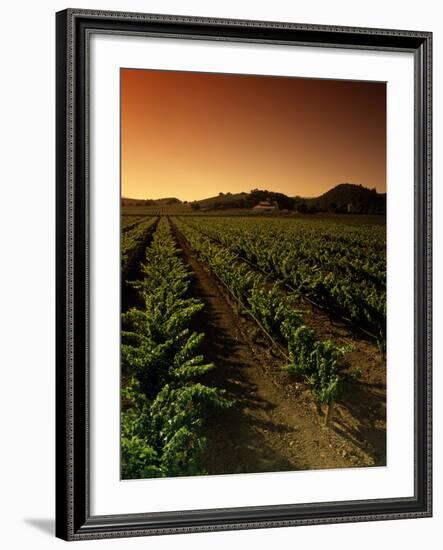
(73, 518)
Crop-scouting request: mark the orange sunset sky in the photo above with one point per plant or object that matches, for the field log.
(193, 135)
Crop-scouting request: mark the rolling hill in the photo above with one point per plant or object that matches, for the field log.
(348, 197)
(343, 198)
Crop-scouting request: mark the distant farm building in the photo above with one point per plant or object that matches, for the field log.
(350, 208)
(266, 206)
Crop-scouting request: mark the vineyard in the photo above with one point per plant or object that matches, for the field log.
(341, 268)
(251, 344)
(164, 404)
(132, 239)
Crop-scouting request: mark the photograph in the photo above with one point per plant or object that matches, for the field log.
(253, 273)
(226, 274)
(243, 274)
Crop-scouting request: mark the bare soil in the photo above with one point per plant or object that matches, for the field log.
(275, 424)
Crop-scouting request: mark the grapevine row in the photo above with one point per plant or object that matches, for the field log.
(133, 238)
(130, 221)
(320, 362)
(163, 403)
(343, 269)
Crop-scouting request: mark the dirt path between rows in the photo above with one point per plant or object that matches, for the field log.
(274, 424)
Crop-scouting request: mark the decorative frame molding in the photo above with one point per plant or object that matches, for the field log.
(73, 518)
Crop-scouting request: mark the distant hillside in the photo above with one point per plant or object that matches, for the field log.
(344, 198)
(221, 201)
(348, 197)
(243, 200)
(149, 202)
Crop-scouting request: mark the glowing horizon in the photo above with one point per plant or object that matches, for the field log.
(194, 135)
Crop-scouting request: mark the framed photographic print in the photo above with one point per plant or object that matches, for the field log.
(243, 274)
